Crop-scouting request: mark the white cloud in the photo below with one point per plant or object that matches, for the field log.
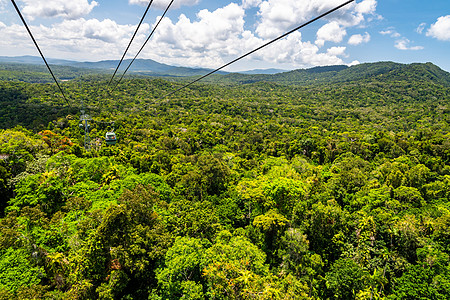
(357, 39)
(337, 51)
(279, 16)
(359, 14)
(219, 36)
(2, 25)
(294, 52)
(203, 42)
(366, 7)
(441, 29)
(162, 4)
(107, 30)
(332, 32)
(72, 9)
(250, 3)
(392, 33)
(73, 39)
(420, 28)
(209, 39)
(310, 55)
(403, 44)
(209, 32)
(400, 43)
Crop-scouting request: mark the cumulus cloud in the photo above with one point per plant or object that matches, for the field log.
(441, 29)
(216, 37)
(71, 10)
(209, 39)
(359, 14)
(357, 39)
(80, 39)
(294, 51)
(312, 56)
(337, 51)
(211, 27)
(332, 31)
(278, 16)
(162, 4)
(403, 44)
(366, 7)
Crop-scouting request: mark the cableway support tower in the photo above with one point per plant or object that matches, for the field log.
(84, 119)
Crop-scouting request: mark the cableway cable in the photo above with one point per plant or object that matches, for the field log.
(140, 50)
(129, 44)
(40, 52)
(259, 48)
(128, 47)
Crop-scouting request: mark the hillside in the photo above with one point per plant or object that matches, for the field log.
(72, 69)
(327, 183)
(30, 69)
(338, 74)
(39, 73)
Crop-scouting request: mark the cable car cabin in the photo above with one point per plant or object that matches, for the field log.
(110, 138)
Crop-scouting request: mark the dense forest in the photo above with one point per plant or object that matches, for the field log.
(332, 185)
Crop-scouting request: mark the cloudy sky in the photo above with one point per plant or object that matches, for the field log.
(209, 33)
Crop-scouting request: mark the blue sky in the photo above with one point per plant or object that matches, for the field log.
(207, 33)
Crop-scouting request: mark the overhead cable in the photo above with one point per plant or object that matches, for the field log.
(129, 44)
(259, 48)
(40, 52)
(145, 43)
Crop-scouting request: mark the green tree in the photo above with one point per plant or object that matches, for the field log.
(345, 279)
(181, 276)
(232, 267)
(418, 282)
(17, 270)
(126, 247)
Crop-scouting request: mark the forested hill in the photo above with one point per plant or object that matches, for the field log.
(338, 74)
(24, 68)
(302, 77)
(332, 188)
(39, 73)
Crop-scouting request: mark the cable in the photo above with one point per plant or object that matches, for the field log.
(40, 52)
(259, 48)
(129, 44)
(145, 43)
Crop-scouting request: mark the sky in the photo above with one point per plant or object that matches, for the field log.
(210, 33)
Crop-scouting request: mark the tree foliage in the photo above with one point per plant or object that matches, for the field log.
(262, 190)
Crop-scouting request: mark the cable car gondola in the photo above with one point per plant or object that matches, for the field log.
(110, 138)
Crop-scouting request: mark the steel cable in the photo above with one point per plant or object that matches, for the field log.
(129, 44)
(40, 52)
(145, 43)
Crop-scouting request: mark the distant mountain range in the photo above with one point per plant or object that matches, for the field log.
(32, 69)
(263, 71)
(145, 66)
